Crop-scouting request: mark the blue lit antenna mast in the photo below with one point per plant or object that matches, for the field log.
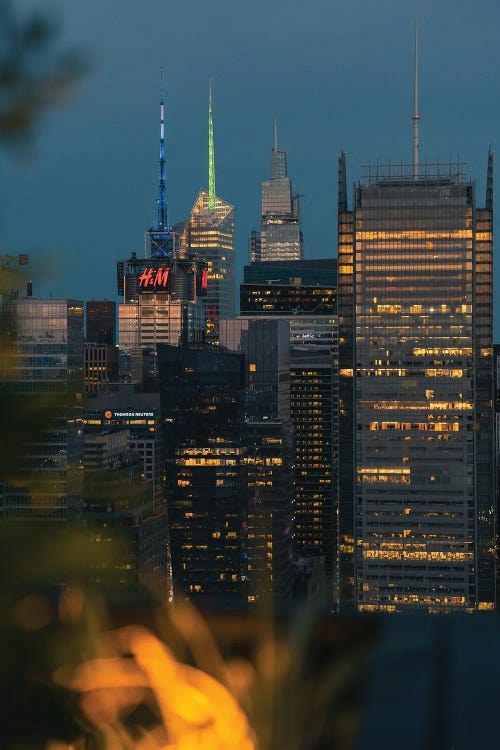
(159, 236)
(162, 193)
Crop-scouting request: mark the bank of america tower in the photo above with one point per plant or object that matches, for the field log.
(416, 500)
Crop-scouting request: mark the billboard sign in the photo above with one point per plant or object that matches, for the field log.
(153, 279)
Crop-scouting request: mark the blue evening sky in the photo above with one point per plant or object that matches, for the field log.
(335, 73)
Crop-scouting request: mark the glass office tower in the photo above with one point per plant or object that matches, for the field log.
(280, 238)
(415, 289)
(41, 392)
(210, 233)
(201, 395)
(307, 383)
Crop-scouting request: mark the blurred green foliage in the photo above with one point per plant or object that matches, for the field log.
(35, 74)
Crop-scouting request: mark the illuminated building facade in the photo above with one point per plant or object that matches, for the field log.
(282, 299)
(280, 236)
(42, 373)
(161, 291)
(290, 287)
(314, 414)
(312, 405)
(100, 366)
(165, 304)
(415, 308)
(269, 441)
(210, 234)
(202, 399)
(270, 516)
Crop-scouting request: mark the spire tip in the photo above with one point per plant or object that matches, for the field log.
(211, 155)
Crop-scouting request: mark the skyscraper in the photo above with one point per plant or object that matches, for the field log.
(160, 291)
(101, 354)
(117, 419)
(116, 408)
(415, 306)
(301, 295)
(281, 234)
(417, 516)
(210, 234)
(287, 299)
(269, 522)
(41, 388)
(201, 401)
(119, 505)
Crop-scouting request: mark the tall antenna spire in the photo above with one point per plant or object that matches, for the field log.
(211, 155)
(275, 133)
(415, 116)
(162, 219)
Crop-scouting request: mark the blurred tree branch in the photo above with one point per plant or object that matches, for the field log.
(34, 73)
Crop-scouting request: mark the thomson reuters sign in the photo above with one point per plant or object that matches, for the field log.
(128, 414)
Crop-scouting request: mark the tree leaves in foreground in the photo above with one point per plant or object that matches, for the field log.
(35, 73)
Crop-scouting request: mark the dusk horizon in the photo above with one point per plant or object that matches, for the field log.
(86, 186)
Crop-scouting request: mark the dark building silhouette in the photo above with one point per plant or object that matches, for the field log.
(267, 434)
(122, 428)
(119, 506)
(100, 319)
(311, 272)
(202, 407)
(496, 378)
(270, 517)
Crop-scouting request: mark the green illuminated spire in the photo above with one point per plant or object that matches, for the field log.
(211, 157)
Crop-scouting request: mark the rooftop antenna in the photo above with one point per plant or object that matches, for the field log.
(276, 134)
(211, 155)
(162, 219)
(415, 116)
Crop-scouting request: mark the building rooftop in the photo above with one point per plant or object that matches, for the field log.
(437, 173)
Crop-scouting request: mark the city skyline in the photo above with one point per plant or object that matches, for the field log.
(366, 110)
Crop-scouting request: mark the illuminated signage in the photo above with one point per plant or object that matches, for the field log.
(204, 279)
(134, 414)
(127, 414)
(154, 278)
